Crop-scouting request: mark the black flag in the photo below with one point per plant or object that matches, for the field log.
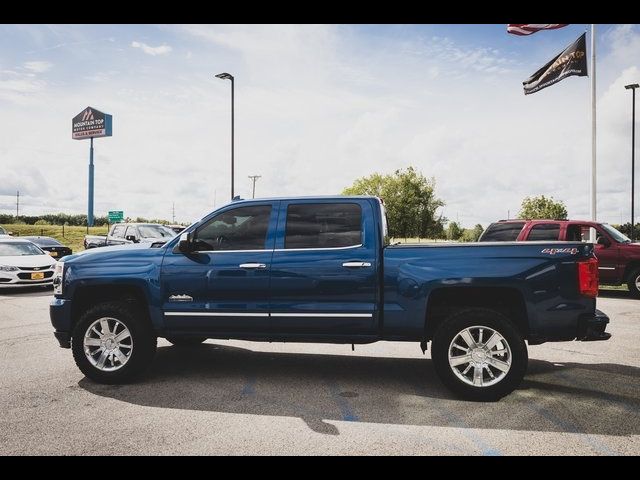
(572, 61)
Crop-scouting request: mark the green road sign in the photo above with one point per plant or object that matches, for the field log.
(116, 216)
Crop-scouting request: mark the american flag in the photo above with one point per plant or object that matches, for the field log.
(529, 28)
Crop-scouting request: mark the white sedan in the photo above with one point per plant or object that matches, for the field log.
(23, 263)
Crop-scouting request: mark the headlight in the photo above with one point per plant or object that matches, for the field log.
(6, 268)
(58, 275)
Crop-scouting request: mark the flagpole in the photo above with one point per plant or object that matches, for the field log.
(593, 123)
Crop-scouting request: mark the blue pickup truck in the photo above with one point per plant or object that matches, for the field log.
(321, 270)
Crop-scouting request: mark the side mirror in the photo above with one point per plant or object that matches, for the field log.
(131, 238)
(185, 243)
(604, 241)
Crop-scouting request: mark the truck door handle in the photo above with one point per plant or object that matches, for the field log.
(253, 265)
(356, 264)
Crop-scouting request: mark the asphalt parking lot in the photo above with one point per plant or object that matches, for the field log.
(233, 397)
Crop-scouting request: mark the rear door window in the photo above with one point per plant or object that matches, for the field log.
(323, 225)
(502, 232)
(544, 231)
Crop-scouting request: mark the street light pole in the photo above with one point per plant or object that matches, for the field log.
(228, 76)
(633, 87)
(254, 178)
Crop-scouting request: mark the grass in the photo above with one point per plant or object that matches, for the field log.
(622, 288)
(73, 237)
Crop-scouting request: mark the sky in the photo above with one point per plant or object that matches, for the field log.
(316, 106)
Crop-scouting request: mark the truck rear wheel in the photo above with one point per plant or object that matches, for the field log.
(634, 283)
(113, 342)
(479, 354)
(186, 341)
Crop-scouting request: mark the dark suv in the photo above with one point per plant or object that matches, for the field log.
(619, 259)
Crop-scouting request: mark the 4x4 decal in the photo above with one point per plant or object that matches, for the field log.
(553, 251)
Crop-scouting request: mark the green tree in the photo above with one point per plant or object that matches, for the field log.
(410, 200)
(477, 231)
(541, 207)
(454, 231)
(472, 234)
(626, 229)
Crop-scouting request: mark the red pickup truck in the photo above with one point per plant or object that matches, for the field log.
(619, 259)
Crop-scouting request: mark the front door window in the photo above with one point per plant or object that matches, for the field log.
(243, 228)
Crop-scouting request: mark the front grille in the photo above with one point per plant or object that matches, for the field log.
(4, 280)
(36, 269)
(27, 276)
(32, 282)
(61, 251)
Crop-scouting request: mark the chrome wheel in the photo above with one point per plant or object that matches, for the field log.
(638, 283)
(480, 356)
(108, 344)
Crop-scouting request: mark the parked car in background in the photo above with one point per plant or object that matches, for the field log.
(176, 228)
(619, 258)
(23, 263)
(4, 233)
(50, 245)
(126, 233)
(320, 269)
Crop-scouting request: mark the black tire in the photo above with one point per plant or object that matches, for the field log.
(632, 282)
(456, 323)
(186, 341)
(142, 334)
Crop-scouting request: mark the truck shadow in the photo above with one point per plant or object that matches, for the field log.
(568, 397)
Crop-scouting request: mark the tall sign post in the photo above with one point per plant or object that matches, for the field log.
(91, 123)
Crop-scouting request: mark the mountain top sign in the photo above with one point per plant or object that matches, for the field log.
(91, 123)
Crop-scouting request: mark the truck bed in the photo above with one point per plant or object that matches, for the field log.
(543, 274)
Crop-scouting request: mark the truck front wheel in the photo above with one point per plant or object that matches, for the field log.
(113, 342)
(479, 354)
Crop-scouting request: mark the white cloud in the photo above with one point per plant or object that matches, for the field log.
(149, 50)
(19, 87)
(38, 66)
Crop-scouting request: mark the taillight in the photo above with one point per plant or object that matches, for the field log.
(588, 277)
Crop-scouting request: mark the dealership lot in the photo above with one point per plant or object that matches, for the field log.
(233, 397)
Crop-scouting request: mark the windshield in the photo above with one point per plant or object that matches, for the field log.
(19, 249)
(618, 236)
(155, 231)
